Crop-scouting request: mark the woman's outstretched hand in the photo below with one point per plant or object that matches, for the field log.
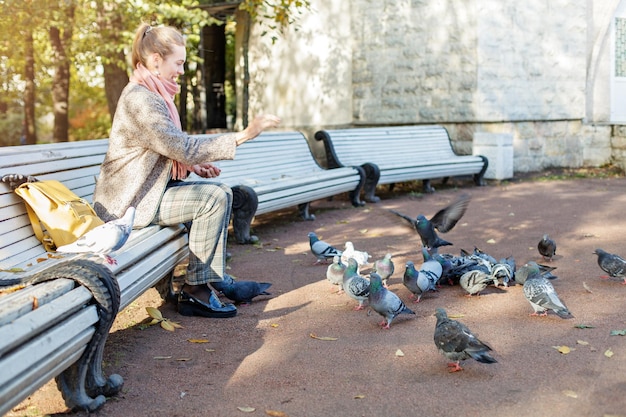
(258, 125)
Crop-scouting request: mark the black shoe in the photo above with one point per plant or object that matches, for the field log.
(188, 305)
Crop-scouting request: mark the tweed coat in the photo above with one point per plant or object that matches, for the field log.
(143, 142)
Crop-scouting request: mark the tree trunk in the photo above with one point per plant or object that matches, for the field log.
(60, 40)
(110, 26)
(30, 132)
(214, 44)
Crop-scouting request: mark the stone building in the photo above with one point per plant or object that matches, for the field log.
(551, 73)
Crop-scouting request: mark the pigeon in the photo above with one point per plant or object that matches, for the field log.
(322, 250)
(444, 220)
(475, 281)
(541, 295)
(546, 247)
(415, 282)
(241, 292)
(503, 271)
(385, 268)
(356, 286)
(334, 272)
(612, 264)
(104, 239)
(456, 342)
(362, 258)
(431, 268)
(522, 273)
(385, 302)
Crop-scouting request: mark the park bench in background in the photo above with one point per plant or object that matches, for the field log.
(394, 154)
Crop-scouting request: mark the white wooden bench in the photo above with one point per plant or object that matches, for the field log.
(277, 170)
(390, 155)
(57, 325)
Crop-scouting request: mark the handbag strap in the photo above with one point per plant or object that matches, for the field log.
(34, 221)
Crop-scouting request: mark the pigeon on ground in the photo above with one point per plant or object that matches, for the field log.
(334, 272)
(444, 220)
(104, 239)
(456, 342)
(503, 272)
(612, 264)
(432, 268)
(415, 282)
(544, 270)
(541, 295)
(356, 286)
(385, 268)
(241, 292)
(547, 247)
(322, 250)
(475, 281)
(361, 257)
(385, 302)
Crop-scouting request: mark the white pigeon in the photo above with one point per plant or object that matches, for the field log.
(104, 239)
(334, 273)
(361, 258)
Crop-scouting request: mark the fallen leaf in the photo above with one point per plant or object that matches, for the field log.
(563, 349)
(587, 287)
(175, 324)
(358, 397)
(492, 241)
(608, 353)
(35, 303)
(154, 313)
(40, 260)
(166, 325)
(363, 231)
(583, 326)
(14, 270)
(275, 413)
(314, 336)
(198, 340)
(570, 393)
(456, 316)
(399, 353)
(270, 250)
(183, 359)
(162, 357)
(209, 350)
(582, 342)
(246, 409)
(618, 332)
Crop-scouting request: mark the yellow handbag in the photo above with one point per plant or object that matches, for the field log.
(65, 216)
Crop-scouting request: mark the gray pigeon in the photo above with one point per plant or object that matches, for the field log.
(356, 286)
(241, 291)
(444, 220)
(547, 247)
(541, 295)
(334, 272)
(475, 281)
(415, 282)
(503, 271)
(385, 302)
(456, 342)
(522, 273)
(322, 250)
(612, 264)
(104, 239)
(385, 268)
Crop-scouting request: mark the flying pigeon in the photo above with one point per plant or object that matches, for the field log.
(356, 286)
(322, 250)
(104, 239)
(444, 220)
(385, 268)
(361, 257)
(241, 291)
(547, 247)
(475, 281)
(456, 342)
(334, 272)
(612, 264)
(385, 302)
(415, 282)
(541, 295)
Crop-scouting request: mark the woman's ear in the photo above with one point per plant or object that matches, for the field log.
(153, 61)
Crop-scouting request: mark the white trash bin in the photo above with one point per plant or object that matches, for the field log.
(498, 148)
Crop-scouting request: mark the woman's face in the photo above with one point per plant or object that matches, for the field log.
(171, 66)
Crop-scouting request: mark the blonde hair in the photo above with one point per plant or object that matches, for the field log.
(149, 40)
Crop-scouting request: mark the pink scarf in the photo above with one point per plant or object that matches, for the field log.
(166, 89)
